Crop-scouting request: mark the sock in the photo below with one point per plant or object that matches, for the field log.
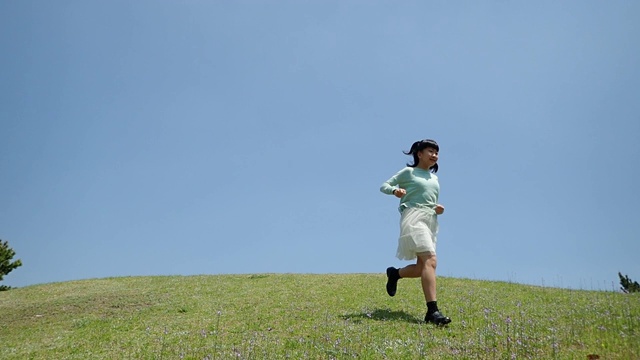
(396, 273)
(432, 306)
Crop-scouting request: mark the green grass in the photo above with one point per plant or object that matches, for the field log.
(293, 316)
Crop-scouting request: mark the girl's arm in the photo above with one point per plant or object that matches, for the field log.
(390, 187)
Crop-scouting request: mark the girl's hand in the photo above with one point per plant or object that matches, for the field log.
(399, 193)
(439, 209)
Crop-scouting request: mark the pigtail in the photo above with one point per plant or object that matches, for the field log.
(413, 151)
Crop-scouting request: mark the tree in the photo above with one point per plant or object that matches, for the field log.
(628, 285)
(6, 266)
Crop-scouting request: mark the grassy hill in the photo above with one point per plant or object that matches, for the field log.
(294, 316)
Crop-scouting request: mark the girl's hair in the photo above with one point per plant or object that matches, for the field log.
(419, 146)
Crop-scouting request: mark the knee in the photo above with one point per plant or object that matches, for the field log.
(428, 262)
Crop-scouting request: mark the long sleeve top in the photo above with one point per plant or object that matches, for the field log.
(421, 185)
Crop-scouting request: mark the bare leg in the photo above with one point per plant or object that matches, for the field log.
(425, 269)
(428, 276)
(410, 271)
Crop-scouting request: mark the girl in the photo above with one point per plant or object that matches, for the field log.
(417, 188)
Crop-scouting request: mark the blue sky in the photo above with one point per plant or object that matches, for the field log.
(223, 137)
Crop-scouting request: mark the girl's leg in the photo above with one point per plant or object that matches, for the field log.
(425, 269)
(426, 265)
(415, 270)
(410, 271)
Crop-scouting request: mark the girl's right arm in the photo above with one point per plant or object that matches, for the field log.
(390, 187)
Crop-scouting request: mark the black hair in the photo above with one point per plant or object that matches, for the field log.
(419, 146)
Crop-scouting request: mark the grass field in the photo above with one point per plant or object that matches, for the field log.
(295, 316)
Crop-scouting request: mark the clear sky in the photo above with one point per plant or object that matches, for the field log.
(227, 137)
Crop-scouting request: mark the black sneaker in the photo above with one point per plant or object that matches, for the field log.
(437, 318)
(392, 281)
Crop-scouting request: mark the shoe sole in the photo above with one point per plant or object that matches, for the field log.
(439, 323)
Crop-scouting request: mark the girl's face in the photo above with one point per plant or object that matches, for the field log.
(428, 157)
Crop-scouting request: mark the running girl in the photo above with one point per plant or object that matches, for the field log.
(417, 188)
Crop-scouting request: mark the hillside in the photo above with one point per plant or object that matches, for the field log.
(278, 316)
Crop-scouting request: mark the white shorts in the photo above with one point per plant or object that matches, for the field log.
(418, 233)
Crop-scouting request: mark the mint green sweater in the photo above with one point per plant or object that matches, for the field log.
(421, 185)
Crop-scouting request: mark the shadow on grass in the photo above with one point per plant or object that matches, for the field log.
(382, 315)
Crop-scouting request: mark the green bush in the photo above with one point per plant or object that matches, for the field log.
(628, 285)
(6, 266)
